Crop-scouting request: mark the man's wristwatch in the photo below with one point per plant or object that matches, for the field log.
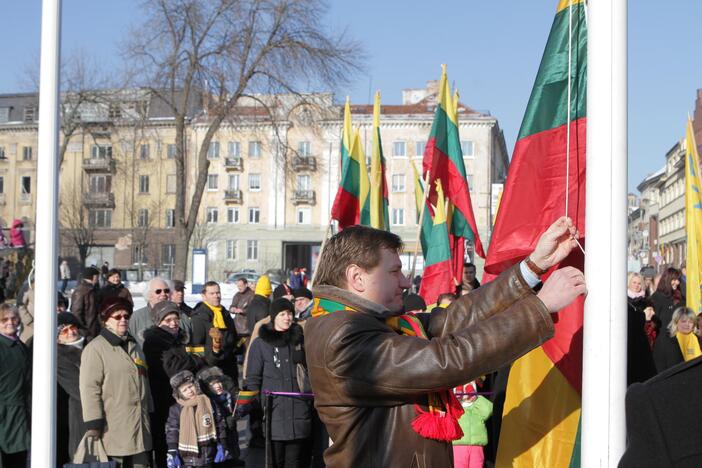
(534, 267)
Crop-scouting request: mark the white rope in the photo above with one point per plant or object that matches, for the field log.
(570, 59)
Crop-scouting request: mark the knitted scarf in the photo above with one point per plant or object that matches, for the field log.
(689, 346)
(197, 425)
(440, 421)
(218, 318)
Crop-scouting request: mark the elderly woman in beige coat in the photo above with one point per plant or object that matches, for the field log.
(114, 388)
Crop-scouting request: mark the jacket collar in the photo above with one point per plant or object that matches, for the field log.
(115, 340)
(352, 300)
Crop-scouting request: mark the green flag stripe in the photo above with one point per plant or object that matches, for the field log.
(444, 135)
(551, 84)
(439, 250)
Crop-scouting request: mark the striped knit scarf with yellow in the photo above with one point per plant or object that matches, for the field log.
(440, 421)
(218, 317)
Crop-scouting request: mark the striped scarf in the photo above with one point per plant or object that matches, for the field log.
(197, 426)
(440, 421)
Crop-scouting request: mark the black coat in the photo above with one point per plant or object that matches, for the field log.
(111, 290)
(666, 351)
(664, 307)
(202, 322)
(70, 427)
(257, 309)
(640, 365)
(663, 419)
(15, 387)
(272, 366)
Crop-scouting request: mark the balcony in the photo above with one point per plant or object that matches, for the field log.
(304, 163)
(106, 164)
(233, 196)
(303, 197)
(99, 200)
(234, 164)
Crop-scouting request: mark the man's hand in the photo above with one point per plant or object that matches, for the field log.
(562, 287)
(216, 336)
(555, 244)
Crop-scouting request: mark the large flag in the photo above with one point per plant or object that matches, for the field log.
(443, 159)
(693, 222)
(378, 183)
(437, 278)
(540, 423)
(359, 157)
(346, 203)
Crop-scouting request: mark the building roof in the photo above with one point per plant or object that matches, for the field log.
(15, 105)
(650, 179)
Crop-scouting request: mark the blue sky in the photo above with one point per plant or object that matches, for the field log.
(492, 50)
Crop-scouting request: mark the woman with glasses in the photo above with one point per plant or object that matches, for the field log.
(114, 388)
(69, 411)
(15, 380)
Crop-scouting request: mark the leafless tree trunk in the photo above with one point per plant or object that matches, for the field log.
(75, 223)
(202, 58)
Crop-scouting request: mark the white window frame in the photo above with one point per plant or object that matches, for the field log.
(144, 151)
(399, 183)
(233, 215)
(213, 150)
(27, 153)
(170, 151)
(254, 149)
(304, 148)
(234, 177)
(465, 145)
(143, 217)
(144, 183)
(254, 215)
(231, 249)
(419, 147)
(252, 250)
(399, 149)
(170, 218)
(304, 216)
(211, 215)
(398, 217)
(212, 182)
(253, 177)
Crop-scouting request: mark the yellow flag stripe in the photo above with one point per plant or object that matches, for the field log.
(563, 4)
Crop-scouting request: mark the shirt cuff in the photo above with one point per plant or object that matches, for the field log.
(528, 275)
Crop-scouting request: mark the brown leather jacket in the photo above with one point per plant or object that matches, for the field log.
(366, 377)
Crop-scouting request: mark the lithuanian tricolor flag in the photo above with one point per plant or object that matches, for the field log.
(358, 156)
(443, 159)
(346, 207)
(437, 278)
(426, 221)
(378, 183)
(540, 422)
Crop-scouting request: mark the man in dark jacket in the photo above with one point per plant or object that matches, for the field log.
(84, 302)
(662, 419)
(113, 287)
(213, 326)
(374, 371)
(240, 302)
(178, 297)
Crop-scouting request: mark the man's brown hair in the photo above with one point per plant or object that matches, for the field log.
(355, 245)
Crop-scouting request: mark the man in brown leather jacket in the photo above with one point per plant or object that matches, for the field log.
(371, 381)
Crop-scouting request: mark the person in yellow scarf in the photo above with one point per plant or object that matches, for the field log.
(680, 344)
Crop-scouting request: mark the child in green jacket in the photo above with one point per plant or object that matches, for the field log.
(468, 451)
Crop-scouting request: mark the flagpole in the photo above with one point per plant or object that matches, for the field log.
(604, 347)
(43, 452)
(427, 189)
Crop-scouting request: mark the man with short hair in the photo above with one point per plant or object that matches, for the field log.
(157, 291)
(470, 281)
(303, 303)
(379, 375)
(84, 302)
(240, 301)
(212, 324)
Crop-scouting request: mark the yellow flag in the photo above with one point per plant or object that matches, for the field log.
(693, 221)
(359, 156)
(378, 184)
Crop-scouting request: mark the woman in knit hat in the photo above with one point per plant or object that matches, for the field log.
(114, 388)
(273, 366)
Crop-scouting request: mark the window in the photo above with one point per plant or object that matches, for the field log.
(467, 148)
(29, 114)
(2, 184)
(254, 182)
(304, 148)
(212, 215)
(254, 149)
(304, 182)
(100, 184)
(100, 218)
(398, 216)
(170, 218)
(168, 254)
(98, 151)
(115, 111)
(170, 183)
(252, 250)
(143, 218)
(144, 151)
(143, 184)
(399, 149)
(26, 153)
(254, 215)
(233, 149)
(469, 180)
(171, 151)
(4, 114)
(213, 150)
(25, 188)
(398, 183)
(233, 182)
(233, 215)
(2, 152)
(419, 148)
(212, 251)
(304, 216)
(231, 249)
(212, 182)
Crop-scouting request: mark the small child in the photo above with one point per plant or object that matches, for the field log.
(192, 426)
(468, 451)
(216, 386)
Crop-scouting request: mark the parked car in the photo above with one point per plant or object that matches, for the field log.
(250, 276)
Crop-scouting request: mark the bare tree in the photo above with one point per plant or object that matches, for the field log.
(212, 55)
(75, 222)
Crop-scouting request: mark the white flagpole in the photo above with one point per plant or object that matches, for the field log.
(44, 367)
(605, 338)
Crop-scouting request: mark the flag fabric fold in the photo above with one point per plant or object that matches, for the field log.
(540, 423)
(693, 222)
(378, 182)
(346, 207)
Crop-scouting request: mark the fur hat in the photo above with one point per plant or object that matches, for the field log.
(164, 308)
(279, 305)
(182, 378)
(112, 304)
(303, 292)
(214, 374)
